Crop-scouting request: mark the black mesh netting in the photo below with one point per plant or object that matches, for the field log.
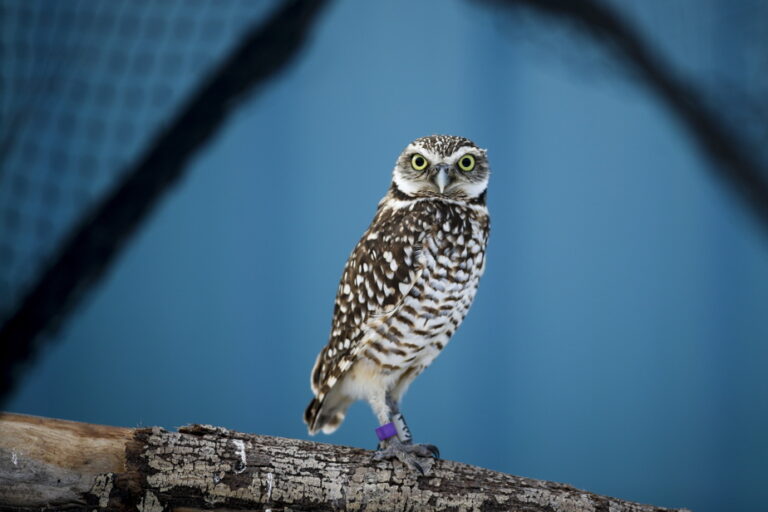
(84, 87)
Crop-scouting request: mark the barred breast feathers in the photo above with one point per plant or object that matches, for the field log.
(380, 273)
(409, 281)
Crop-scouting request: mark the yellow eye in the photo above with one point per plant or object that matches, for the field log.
(467, 163)
(418, 162)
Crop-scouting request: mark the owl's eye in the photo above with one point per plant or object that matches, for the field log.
(467, 163)
(418, 162)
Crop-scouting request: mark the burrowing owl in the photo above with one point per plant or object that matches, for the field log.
(405, 289)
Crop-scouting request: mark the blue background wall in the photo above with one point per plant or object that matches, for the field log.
(618, 340)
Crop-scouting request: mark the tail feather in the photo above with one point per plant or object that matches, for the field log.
(319, 416)
(310, 415)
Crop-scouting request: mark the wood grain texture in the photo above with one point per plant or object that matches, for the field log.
(67, 465)
(51, 462)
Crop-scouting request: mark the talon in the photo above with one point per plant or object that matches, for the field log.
(381, 454)
(415, 456)
(433, 450)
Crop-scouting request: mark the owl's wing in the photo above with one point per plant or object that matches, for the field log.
(381, 271)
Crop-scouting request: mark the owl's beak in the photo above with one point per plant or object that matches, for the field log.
(442, 179)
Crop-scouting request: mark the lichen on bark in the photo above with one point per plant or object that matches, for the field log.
(46, 463)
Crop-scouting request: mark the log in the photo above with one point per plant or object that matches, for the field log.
(62, 464)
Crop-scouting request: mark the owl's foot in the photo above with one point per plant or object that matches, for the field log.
(420, 457)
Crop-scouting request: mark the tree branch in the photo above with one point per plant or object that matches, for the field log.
(63, 464)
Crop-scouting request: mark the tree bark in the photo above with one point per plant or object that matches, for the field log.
(77, 466)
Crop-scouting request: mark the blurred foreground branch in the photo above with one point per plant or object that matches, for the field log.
(48, 463)
(734, 161)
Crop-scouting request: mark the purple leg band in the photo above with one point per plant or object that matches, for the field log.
(384, 432)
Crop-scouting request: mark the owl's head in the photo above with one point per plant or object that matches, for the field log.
(442, 166)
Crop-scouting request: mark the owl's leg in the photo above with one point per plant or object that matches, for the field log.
(401, 446)
(404, 433)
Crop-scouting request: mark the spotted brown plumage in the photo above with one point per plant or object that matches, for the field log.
(408, 283)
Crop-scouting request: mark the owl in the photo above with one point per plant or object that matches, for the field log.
(405, 290)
